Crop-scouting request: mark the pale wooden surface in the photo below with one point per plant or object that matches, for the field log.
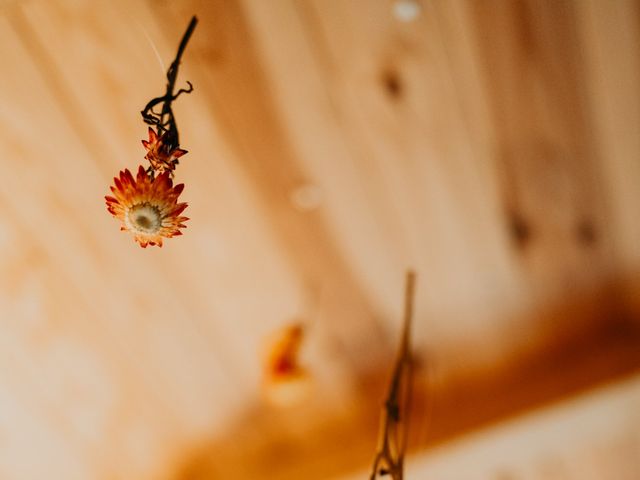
(591, 437)
(493, 146)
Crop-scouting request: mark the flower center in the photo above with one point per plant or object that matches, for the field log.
(144, 218)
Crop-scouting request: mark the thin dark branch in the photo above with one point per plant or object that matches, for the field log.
(392, 444)
(165, 121)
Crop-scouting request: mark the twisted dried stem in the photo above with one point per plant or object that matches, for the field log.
(394, 425)
(165, 121)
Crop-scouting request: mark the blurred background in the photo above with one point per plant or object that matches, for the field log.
(493, 146)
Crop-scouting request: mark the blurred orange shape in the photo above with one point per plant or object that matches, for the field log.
(286, 382)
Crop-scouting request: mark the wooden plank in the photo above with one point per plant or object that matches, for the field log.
(35, 436)
(435, 182)
(491, 145)
(532, 63)
(433, 199)
(592, 436)
(109, 295)
(231, 237)
(444, 410)
(228, 68)
(527, 59)
(62, 259)
(344, 50)
(612, 51)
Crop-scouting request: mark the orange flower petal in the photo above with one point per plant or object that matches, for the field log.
(148, 208)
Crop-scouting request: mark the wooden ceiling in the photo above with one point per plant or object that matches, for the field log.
(492, 146)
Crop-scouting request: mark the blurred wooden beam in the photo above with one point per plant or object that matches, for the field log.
(286, 444)
(594, 435)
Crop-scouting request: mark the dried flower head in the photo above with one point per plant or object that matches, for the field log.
(161, 156)
(147, 207)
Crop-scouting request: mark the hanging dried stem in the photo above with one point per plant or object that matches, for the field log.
(164, 121)
(147, 205)
(394, 425)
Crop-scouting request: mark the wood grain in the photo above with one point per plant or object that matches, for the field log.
(492, 146)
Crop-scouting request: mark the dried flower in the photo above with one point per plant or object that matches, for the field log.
(147, 207)
(161, 156)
